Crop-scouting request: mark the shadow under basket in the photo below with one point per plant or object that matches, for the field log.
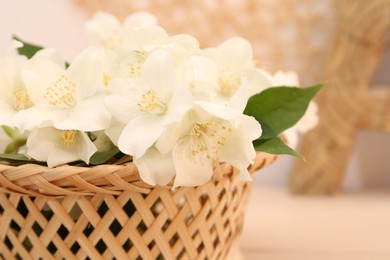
(107, 212)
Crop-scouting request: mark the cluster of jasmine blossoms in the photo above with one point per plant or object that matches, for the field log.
(175, 108)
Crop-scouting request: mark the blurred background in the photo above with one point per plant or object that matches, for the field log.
(300, 35)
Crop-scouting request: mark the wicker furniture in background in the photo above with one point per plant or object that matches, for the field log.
(350, 101)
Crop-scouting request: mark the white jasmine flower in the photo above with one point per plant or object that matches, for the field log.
(309, 119)
(200, 75)
(52, 55)
(134, 39)
(12, 49)
(237, 78)
(201, 138)
(286, 78)
(57, 147)
(155, 168)
(149, 104)
(14, 96)
(176, 109)
(66, 99)
(145, 39)
(129, 64)
(115, 130)
(105, 30)
(104, 68)
(140, 42)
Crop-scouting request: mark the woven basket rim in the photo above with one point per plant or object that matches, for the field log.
(66, 180)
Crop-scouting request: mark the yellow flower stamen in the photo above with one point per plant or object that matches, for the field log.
(191, 85)
(68, 138)
(135, 62)
(228, 84)
(61, 92)
(151, 103)
(21, 99)
(208, 138)
(114, 40)
(106, 79)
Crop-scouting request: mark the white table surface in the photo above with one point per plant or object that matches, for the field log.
(348, 226)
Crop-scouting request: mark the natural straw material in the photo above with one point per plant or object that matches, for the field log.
(352, 99)
(122, 218)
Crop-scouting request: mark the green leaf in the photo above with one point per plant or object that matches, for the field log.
(102, 157)
(275, 146)
(13, 156)
(28, 49)
(279, 108)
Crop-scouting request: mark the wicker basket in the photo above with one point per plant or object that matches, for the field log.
(107, 212)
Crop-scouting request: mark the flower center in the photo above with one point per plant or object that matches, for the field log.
(21, 99)
(208, 138)
(114, 40)
(68, 138)
(228, 84)
(151, 103)
(191, 85)
(106, 79)
(61, 93)
(135, 61)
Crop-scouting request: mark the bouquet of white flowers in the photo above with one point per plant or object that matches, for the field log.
(135, 111)
(136, 91)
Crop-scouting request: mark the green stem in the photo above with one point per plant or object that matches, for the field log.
(11, 132)
(11, 148)
(18, 140)
(14, 146)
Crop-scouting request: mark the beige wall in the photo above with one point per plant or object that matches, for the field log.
(56, 24)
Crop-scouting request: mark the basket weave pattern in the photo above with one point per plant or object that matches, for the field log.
(120, 217)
